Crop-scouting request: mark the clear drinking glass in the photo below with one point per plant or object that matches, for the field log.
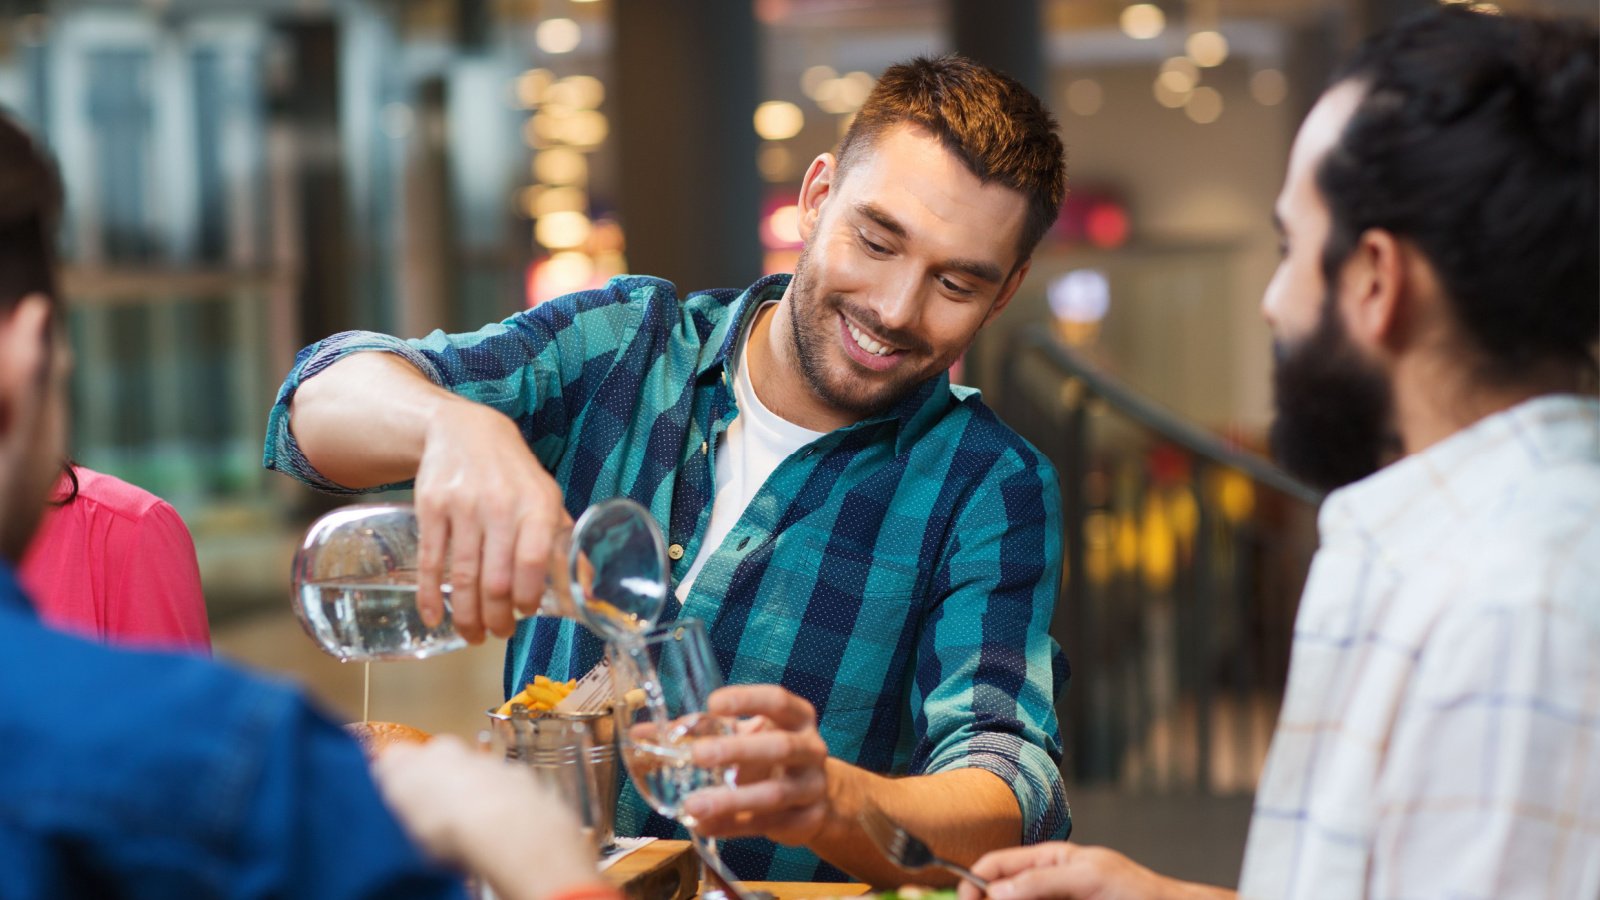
(664, 678)
(355, 579)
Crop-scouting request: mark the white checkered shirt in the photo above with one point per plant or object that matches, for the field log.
(1440, 734)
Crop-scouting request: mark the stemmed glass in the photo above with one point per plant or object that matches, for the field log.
(663, 680)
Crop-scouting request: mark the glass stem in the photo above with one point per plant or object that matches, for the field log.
(718, 878)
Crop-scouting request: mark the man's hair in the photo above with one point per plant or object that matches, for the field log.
(1476, 141)
(30, 205)
(994, 125)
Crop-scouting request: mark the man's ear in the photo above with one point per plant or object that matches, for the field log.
(24, 353)
(1008, 290)
(1373, 286)
(814, 189)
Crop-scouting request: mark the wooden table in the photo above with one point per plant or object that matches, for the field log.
(666, 870)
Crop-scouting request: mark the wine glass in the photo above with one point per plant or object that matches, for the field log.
(663, 679)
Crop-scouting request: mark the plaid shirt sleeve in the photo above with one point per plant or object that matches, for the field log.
(987, 670)
(536, 367)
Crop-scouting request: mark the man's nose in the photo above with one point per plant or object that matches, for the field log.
(899, 305)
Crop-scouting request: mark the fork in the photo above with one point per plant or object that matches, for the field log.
(905, 850)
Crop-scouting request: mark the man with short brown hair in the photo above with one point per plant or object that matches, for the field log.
(876, 555)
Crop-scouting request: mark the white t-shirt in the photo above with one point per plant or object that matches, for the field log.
(756, 441)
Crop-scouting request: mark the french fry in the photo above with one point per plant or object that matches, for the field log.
(540, 695)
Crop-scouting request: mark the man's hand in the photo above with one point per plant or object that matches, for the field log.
(782, 778)
(1065, 871)
(483, 494)
(475, 811)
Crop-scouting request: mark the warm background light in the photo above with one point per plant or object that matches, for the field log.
(1207, 48)
(560, 165)
(577, 92)
(1179, 74)
(562, 230)
(777, 120)
(557, 36)
(531, 85)
(1143, 21)
(812, 79)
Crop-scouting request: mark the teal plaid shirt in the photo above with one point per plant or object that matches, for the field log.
(899, 573)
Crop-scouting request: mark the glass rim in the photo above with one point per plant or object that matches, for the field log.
(661, 632)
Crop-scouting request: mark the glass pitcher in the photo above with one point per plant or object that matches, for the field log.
(355, 580)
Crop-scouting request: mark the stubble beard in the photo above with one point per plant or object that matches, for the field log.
(812, 329)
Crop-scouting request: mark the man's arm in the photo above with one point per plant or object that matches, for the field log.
(374, 418)
(458, 414)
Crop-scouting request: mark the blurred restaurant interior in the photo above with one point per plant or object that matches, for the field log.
(247, 176)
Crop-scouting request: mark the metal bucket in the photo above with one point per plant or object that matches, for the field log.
(555, 746)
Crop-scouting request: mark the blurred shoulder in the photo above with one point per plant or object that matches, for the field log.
(111, 494)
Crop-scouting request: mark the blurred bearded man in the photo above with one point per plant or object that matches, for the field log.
(1436, 309)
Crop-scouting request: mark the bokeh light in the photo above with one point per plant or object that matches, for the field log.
(1207, 48)
(1143, 21)
(777, 120)
(557, 36)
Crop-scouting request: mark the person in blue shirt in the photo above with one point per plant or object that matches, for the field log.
(139, 774)
(875, 554)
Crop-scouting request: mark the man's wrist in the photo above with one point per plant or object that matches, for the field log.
(848, 790)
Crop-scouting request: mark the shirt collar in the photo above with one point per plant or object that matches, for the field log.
(912, 415)
(1409, 500)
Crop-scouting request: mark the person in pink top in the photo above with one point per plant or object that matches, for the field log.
(115, 563)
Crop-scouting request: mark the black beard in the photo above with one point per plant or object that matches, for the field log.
(809, 337)
(1333, 407)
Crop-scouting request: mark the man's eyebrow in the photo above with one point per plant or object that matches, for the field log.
(977, 268)
(881, 216)
(983, 271)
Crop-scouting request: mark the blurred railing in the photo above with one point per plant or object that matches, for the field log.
(1184, 560)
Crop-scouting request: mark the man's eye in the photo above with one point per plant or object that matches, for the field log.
(954, 289)
(872, 246)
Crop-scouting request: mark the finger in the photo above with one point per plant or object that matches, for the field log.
(793, 749)
(1058, 882)
(792, 822)
(532, 564)
(466, 545)
(1011, 860)
(785, 709)
(433, 535)
(494, 590)
(766, 797)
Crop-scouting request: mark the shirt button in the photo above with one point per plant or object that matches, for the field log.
(675, 551)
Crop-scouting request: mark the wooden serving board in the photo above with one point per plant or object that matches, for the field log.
(660, 870)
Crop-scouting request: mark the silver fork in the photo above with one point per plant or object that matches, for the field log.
(905, 850)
